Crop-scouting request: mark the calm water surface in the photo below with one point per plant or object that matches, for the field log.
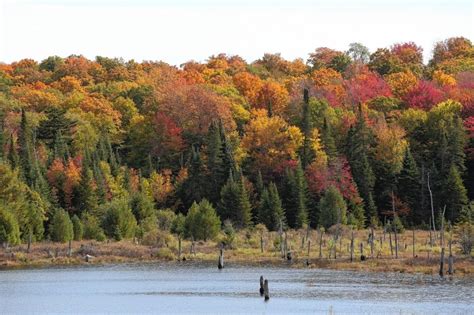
(202, 289)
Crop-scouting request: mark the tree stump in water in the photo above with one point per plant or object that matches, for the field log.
(220, 264)
(265, 290)
(289, 256)
(261, 286)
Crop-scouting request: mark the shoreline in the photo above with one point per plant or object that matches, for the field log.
(128, 253)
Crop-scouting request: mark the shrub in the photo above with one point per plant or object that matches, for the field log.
(165, 219)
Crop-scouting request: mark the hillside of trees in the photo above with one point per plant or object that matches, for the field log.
(108, 148)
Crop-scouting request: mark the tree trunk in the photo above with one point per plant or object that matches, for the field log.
(431, 202)
(29, 243)
(320, 243)
(390, 240)
(441, 263)
(450, 260)
(352, 246)
(220, 264)
(266, 292)
(179, 248)
(261, 244)
(372, 237)
(69, 252)
(413, 238)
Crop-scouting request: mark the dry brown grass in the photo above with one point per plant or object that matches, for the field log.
(246, 249)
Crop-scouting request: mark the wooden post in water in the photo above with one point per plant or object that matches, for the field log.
(220, 264)
(265, 290)
(261, 286)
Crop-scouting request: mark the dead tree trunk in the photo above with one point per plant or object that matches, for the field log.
(413, 239)
(266, 292)
(450, 260)
(261, 243)
(320, 243)
(441, 263)
(372, 238)
(352, 246)
(431, 202)
(390, 240)
(69, 251)
(362, 256)
(220, 264)
(280, 232)
(261, 286)
(179, 247)
(29, 242)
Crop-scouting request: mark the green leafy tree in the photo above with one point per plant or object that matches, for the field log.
(61, 228)
(202, 222)
(77, 227)
(119, 221)
(332, 208)
(9, 228)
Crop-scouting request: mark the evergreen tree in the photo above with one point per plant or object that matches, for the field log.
(332, 208)
(215, 161)
(455, 194)
(13, 157)
(271, 211)
(328, 140)
(55, 122)
(25, 149)
(87, 198)
(235, 204)
(60, 147)
(77, 227)
(245, 208)
(9, 228)
(193, 189)
(2, 134)
(357, 154)
(307, 153)
(61, 229)
(202, 222)
(119, 221)
(296, 197)
(409, 186)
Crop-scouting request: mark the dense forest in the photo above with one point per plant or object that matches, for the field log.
(115, 149)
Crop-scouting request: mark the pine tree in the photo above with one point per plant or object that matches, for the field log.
(357, 154)
(271, 211)
(13, 157)
(296, 197)
(328, 140)
(332, 208)
(86, 195)
(245, 208)
(307, 153)
(60, 147)
(455, 195)
(25, 149)
(193, 189)
(409, 186)
(215, 163)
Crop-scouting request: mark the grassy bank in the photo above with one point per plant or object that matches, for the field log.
(246, 248)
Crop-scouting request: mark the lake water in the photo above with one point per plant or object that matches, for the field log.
(189, 288)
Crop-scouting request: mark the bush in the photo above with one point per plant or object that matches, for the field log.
(165, 219)
(77, 228)
(156, 238)
(229, 234)
(202, 222)
(119, 221)
(165, 253)
(61, 228)
(92, 229)
(9, 228)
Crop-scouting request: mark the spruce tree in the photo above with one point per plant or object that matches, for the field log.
(357, 154)
(332, 208)
(409, 186)
(296, 197)
(271, 211)
(25, 149)
(455, 194)
(245, 208)
(327, 139)
(307, 153)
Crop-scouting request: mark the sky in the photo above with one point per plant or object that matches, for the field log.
(182, 30)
